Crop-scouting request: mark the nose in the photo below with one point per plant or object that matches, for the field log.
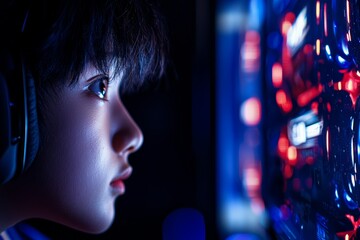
(128, 137)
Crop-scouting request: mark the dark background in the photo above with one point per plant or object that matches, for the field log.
(175, 166)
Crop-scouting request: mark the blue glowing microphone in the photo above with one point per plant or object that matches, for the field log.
(184, 224)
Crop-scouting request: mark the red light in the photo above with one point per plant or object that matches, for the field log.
(310, 160)
(283, 144)
(306, 97)
(351, 234)
(290, 17)
(315, 107)
(281, 97)
(277, 75)
(328, 107)
(308, 48)
(285, 27)
(288, 171)
(283, 101)
(251, 111)
(350, 83)
(292, 155)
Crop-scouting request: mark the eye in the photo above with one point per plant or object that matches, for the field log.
(99, 87)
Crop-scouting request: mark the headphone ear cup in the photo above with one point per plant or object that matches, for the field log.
(33, 127)
(8, 152)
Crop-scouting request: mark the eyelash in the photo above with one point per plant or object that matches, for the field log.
(100, 82)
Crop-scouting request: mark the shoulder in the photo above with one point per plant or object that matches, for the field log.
(22, 232)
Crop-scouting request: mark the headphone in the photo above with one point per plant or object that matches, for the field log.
(19, 132)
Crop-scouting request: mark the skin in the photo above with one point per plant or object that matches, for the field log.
(87, 146)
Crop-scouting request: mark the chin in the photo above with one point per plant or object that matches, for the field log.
(91, 226)
(90, 223)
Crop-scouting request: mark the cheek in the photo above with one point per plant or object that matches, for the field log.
(77, 168)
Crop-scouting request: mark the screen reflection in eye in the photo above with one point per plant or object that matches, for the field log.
(99, 87)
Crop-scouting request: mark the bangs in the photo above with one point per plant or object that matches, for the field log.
(129, 35)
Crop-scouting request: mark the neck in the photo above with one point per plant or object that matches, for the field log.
(10, 208)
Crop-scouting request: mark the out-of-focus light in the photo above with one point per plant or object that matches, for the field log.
(277, 75)
(352, 233)
(280, 97)
(315, 107)
(347, 11)
(286, 25)
(252, 180)
(328, 51)
(251, 111)
(318, 47)
(251, 51)
(297, 32)
(327, 143)
(345, 48)
(242, 236)
(341, 60)
(292, 155)
(307, 96)
(350, 85)
(308, 49)
(290, 17)
(283, 144)
(348, 36)
(325, 20)
(283, 101)
(231, 20)
(310, 160)
(317, 12)
(353, 180)
(288, 171)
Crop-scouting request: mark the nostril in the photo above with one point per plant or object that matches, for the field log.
(127, 140)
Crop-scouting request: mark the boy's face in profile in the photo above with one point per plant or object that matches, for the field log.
(84, 156)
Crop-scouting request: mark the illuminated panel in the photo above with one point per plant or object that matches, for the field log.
(303, 128)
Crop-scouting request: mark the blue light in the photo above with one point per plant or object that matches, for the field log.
(349, 201)
(328, 52)
(242, 236)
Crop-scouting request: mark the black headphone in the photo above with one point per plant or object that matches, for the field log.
(19, 133)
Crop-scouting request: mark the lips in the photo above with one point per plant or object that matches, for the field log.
(118, 183)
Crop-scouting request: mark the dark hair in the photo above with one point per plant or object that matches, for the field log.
(64, 36)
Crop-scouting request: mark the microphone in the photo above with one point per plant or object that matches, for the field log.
(184, 224)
